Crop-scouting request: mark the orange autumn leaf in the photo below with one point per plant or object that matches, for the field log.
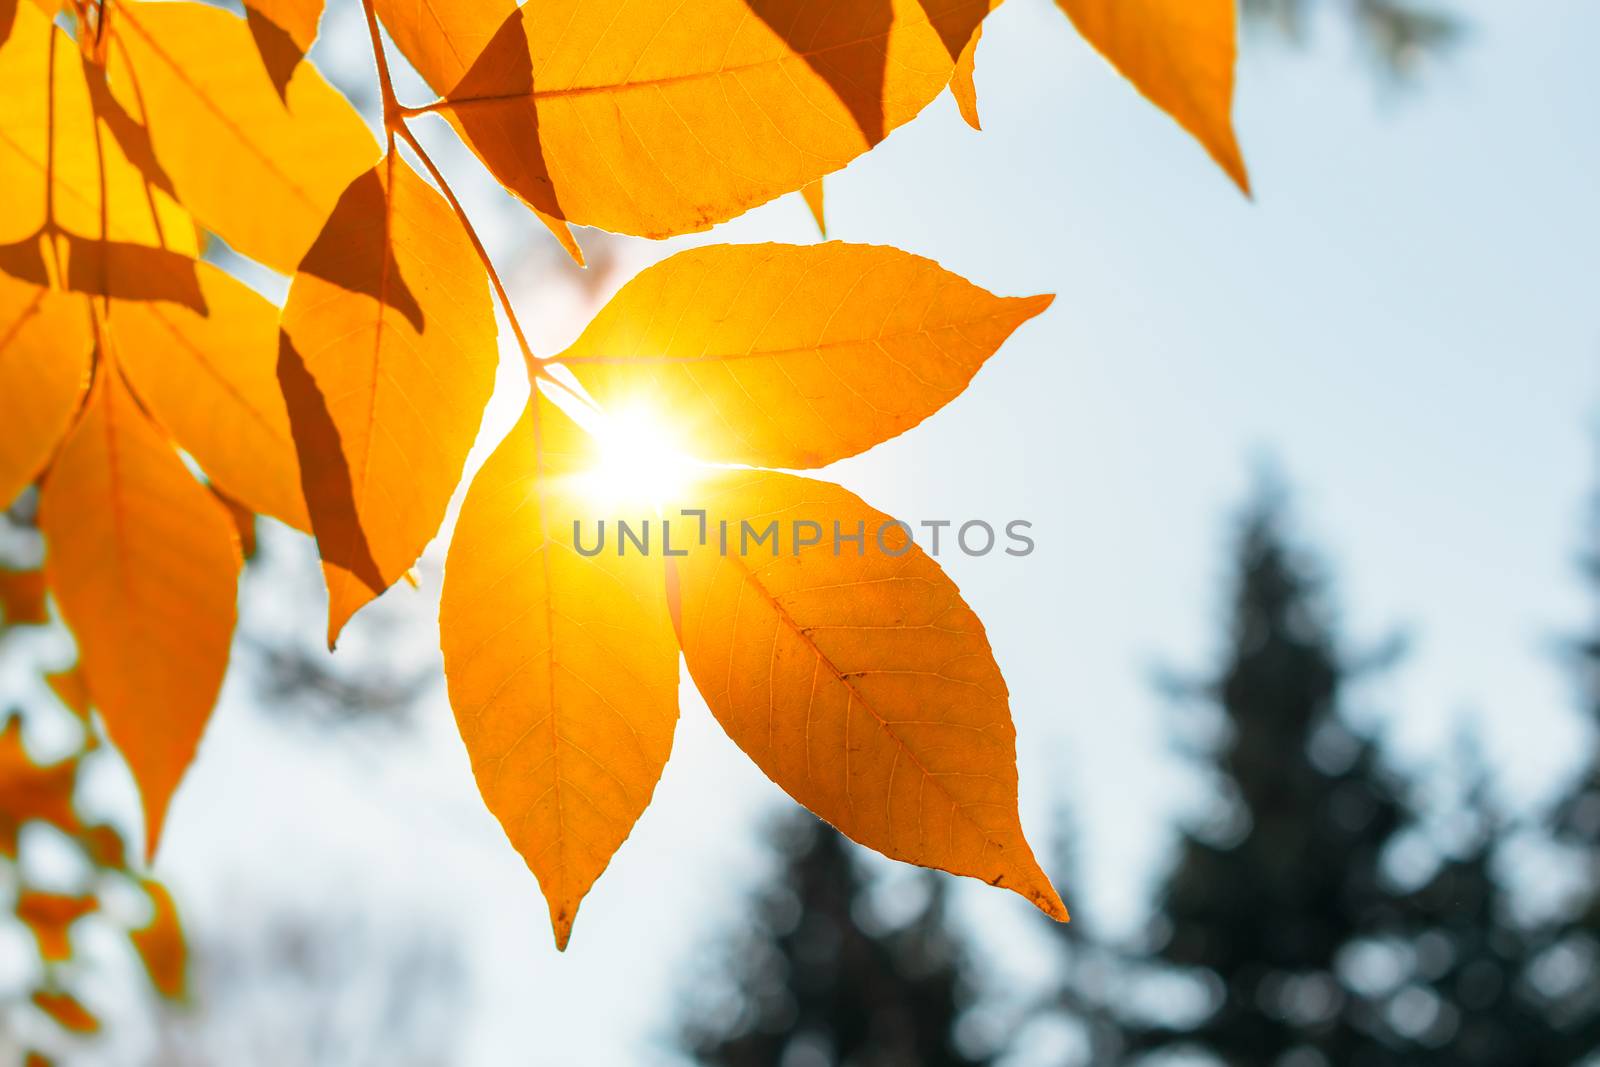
(44, 369)
(962, 85)
(104, 845)
(1178, 53)
(58, 120)
(793, 355)
(860, 683)
(562, 668)
(66, 1010)
(161, 944)
(209, 376)
(261, 170)
(442, 39)
(29, 791)
(50, 916)
(22, 598)
(658, 119)
(386, 361)
(144, 564)
(72, 690)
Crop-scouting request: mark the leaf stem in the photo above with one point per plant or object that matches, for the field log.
(394, 125)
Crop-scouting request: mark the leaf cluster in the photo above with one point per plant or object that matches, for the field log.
(133, 134)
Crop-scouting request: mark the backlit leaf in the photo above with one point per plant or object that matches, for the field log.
(262, 171)
(144, 564)
(1180, 54)
(161, 945)
(210, 377)
(387, 359)
(562, 668)
(857, 679)
(45, 346)
(48, 104)
(22, 598)
(962, 86)
(71, 688)
(656, 119)
(104, 845)
(793, 355)
(50, 916)
(68, 1013)
(29, 791)
(442, 38)
(283, 31)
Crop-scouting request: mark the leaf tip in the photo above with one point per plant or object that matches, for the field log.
(155, 817)
(1054, 907)
(1034, 306)
(1037, 889)
(336, 622)
(561, 919)
(813, 196)
(1231, 159)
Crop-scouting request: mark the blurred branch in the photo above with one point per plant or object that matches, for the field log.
(1399, 36)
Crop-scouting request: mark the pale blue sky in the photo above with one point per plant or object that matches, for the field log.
(1406, 318)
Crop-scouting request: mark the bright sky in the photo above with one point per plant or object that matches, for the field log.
(1406, 318)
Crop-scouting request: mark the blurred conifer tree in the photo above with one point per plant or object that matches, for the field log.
(819, 978)
(1306, 942)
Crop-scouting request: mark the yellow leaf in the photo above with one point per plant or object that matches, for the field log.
(50, 916)
(210, 377)
(387, 359)
(793, 355)
(442, 38)
(284, 31)
(22, 598)
(1178, 53)
(562, 668)
(29, 791)
(50, 97)
(261, 171)
(961, 83)
(144, 565)
(813, 198)
(66, 1011)
(657, 119)
(161, 944)
(860, 683)
(44, 369)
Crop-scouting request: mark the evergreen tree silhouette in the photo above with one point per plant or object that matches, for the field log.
(1573, 958)
(1309, 949)
(818, 980)
(1261, 903)
(1469, 1000)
